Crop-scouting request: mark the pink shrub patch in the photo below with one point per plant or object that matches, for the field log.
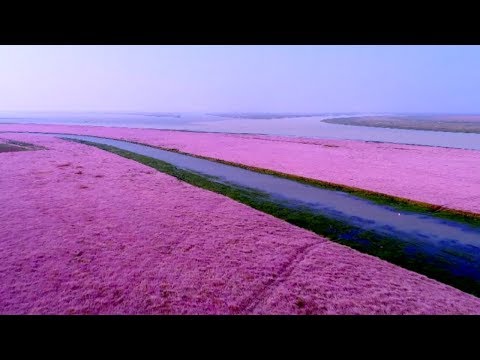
(83, 231)
(439, 176)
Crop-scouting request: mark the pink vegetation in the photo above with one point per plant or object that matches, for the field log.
(439, 176)
(86, 232)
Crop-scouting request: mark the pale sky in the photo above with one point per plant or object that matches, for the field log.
(241, 78)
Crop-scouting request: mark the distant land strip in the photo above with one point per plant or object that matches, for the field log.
(462, 124)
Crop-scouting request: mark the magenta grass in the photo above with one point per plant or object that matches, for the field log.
(438, 176)
(86, 232)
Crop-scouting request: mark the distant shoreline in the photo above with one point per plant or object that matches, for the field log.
(460, 124)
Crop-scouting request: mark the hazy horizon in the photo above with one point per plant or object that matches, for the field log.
(106, 111)
(240, 79)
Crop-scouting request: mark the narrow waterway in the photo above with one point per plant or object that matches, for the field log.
(456, 244)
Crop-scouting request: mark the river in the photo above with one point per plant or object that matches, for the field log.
(312, 127)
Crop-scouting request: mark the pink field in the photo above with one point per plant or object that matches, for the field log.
(86, 232)
(439, 176)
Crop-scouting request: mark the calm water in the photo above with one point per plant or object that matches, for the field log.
(312, 127)
(456, 243)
